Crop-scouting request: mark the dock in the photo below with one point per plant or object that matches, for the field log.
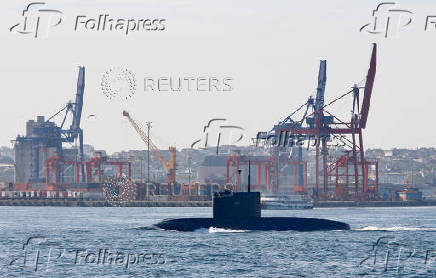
(87, 203)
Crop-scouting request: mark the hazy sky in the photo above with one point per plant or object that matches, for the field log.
(271, 49)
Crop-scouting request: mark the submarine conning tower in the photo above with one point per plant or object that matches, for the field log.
(236, 205)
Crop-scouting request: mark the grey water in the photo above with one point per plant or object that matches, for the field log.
(115, 242)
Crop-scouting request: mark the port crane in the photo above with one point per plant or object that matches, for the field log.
(74, 131)
(170, 165)
(323, 126)
(313, 111)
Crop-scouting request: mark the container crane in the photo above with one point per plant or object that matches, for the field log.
(170, 165)
(314, 115)
(322, 125)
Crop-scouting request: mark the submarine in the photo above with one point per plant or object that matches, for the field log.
(242, 211)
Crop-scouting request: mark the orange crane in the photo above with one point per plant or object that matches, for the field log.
(170, 165)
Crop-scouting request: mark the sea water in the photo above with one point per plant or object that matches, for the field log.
(117, 242)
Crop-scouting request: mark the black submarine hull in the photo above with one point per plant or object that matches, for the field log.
(253, 224)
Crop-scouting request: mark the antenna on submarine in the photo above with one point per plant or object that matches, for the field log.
(249, 175)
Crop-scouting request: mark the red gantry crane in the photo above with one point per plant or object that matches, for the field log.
(323, 126)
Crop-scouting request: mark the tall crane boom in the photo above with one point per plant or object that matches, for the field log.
(77, 113)
(368, 87)
(320, 91)
(74, 132)
(170, 165)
